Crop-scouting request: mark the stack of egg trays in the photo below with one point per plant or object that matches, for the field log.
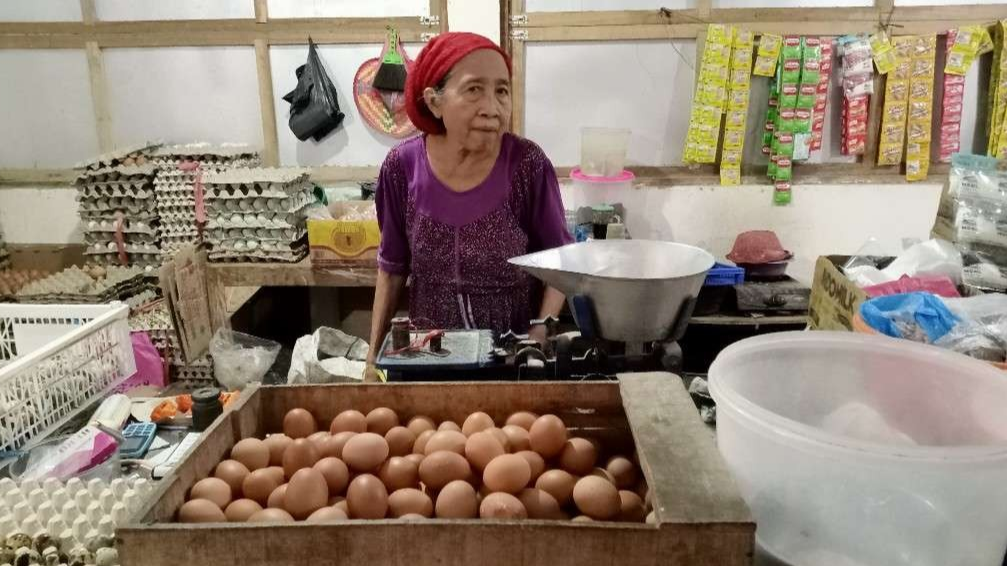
(129, 281)
(157, 323)
(175, 187)
(258, 214)
(103, 191)
(4, 254)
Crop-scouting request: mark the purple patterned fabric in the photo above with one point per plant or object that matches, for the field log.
(455, 246)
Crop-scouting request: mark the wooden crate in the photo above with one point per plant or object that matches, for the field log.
(702, 519)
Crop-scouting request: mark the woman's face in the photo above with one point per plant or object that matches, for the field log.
(475, 103)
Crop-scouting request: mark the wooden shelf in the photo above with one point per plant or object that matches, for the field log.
(749, 320)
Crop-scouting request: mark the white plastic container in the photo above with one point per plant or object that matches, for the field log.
(603, 151)
(857, 450)
(590, 191)
(56, 360)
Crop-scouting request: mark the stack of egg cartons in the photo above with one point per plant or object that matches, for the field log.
(4, 254)
(72, 522)
(116, 199)
(179, 167)
(258, 214)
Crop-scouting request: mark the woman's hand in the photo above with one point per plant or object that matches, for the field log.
(372, 374)
(539, 334)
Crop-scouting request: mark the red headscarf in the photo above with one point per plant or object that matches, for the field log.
(433, 63)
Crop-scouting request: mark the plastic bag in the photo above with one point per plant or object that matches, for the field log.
(982, 332)
(328, 356)
(150, 367)
(314, 108)
(920, 317)
(240, 359)
(933, 257)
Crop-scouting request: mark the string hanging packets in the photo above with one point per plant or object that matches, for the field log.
(921, 106)
(740, 86)
(858, 86)
(896, 108)
(997, 124)
(798, 77)
(769, 55)
(951, 107)
(821, 95)
(968, 43)
(710, 99)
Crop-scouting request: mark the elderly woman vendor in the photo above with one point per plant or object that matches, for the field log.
(457, 202)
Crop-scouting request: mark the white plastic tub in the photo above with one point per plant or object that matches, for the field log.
(603, 151)
(911, 471)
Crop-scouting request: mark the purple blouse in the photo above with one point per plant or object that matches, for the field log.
(455, 246)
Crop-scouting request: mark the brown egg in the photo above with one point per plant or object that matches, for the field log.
(578, 456)
(277, 472)
(349, 421)
(399, 473)
(298, 423)
(419, 447)
(318, 439)
(400, 441)
(367, 498)
(443, 467)
(547, 436)
(651, 518)
(327, 514)
(603, 473)
(307, 492)
(582, 519)
(449, 440)
(277, 444)
(540, 505)
(334, 444)
(596, 497)
(412, 517)
(201, 511)
(480, 448)
(502, 506)
(558, 483)
(631, 508)
(449, 425)
(523, 419)
(623, 471)
(277, 499)
(517, 438)
(335, 472)
(271, 515)
(535, 462)
(381, 420)
(365, 452)
(457, 501)
(234, 473)
(477, 422)
(212, 489)
(418, 424)
(259, 484)
(414, 458)
(408, 500)
(251, 452)
(300, 454)
(501, 437)
(508, 473)
(240, 510)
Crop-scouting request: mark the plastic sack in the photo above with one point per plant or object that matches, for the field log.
(240, 359)
(314, 108)
(328, 356)
(933, 257)
(150, 367)
(920, 317)
(939, 285)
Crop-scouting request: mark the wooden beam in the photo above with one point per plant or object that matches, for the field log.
(99, 96)
(261, 11)
(267, 108)
(874, 115)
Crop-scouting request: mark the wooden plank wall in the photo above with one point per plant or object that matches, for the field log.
(92, 35)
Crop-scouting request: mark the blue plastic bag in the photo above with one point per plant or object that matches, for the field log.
(922, 317)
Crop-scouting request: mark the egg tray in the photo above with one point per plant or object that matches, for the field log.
(226, 239)
(130, 249)
(271, 220)
(287, 205)
(259, 256)
(138, 189)
(260, 176)
(115, 157)
(130, 226)
(201, 149)
(178, 231)
(73, 277)
(228, 192)
(118, 173)
(94, 239)
(119, 205)
(142, 261)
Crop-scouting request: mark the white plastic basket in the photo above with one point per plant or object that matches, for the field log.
(55, 360)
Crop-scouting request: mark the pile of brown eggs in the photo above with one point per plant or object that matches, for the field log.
(372, 467)
(12, 280)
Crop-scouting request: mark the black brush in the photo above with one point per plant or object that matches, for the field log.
(391, 74)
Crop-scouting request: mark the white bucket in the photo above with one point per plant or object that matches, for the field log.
(603, 151)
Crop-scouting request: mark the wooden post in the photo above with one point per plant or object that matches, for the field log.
(703, 9)
(261, 11)
(96, 74)
(216, 295)
(267, 110)
(518, 60)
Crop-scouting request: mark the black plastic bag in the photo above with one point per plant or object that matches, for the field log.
(314, 110)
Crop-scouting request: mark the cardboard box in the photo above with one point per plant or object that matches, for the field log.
(700, 518)
(834, 298)
(344, 243)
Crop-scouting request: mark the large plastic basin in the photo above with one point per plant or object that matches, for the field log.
(856, 450)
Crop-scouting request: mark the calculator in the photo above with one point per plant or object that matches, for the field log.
(138, 437)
